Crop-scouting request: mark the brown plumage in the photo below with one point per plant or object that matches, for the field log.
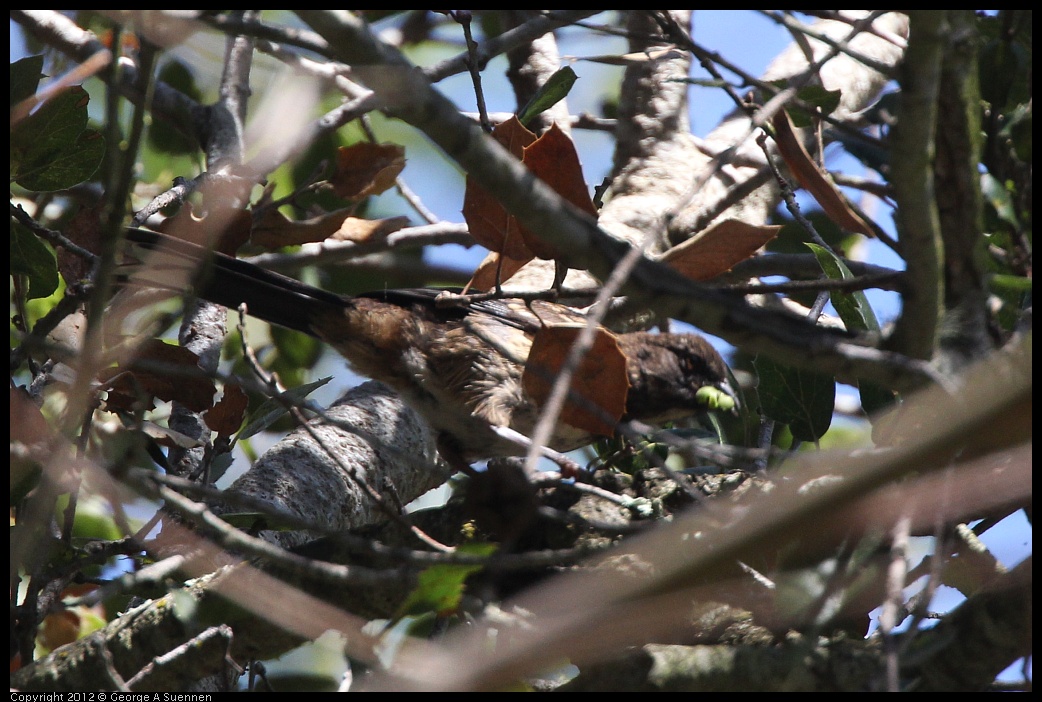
(460, 367)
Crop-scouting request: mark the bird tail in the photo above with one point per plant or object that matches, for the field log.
(162, 261)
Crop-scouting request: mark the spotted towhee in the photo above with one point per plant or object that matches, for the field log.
(459, 366)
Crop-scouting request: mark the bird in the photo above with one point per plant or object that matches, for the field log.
(460, 367)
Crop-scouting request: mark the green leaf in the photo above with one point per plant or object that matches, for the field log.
(853, 307)
(25, 78)
(64, 168)
(57, 122)
(816, 96)
(1009, 283)
(32, 258)
(51, 149)
(440, 588)
(93, 520)
(996, 195)
(555, 89)
(296, 350)
(220, 465)
(805, 400)
(272, 410)
(855, 311)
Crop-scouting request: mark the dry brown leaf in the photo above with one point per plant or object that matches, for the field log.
(484, 278)
(717, 249)
(489, 222)
(84, 230)
(813, 180)
(227, 414)
(59, 628)
(133, 385)
(361, 230)
(66, 626)
(27, 425)
(598, 393)
(274, 230)
(652, 54)
(553, 159)
(366, 169)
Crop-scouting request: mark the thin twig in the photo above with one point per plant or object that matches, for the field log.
(842, 46)
(463, 18)
(887, 281)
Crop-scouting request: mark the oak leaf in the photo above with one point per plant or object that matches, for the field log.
(489, 222)
(366, 169)
(597, 397)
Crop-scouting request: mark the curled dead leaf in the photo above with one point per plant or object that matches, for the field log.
(494, 264)
(273, 230)
(366, 169)
(129, 386)
(226, 416)
(84, 230)
(361, 230)
(812, 180)
(553, 159)
(489, 222)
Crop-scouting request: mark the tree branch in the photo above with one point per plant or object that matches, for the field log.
(407, 95)
(912, 149)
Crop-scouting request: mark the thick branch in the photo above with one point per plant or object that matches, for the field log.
(315, 474)
(983, 636)
(655, 154)
(912, 176)
(964, 335)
